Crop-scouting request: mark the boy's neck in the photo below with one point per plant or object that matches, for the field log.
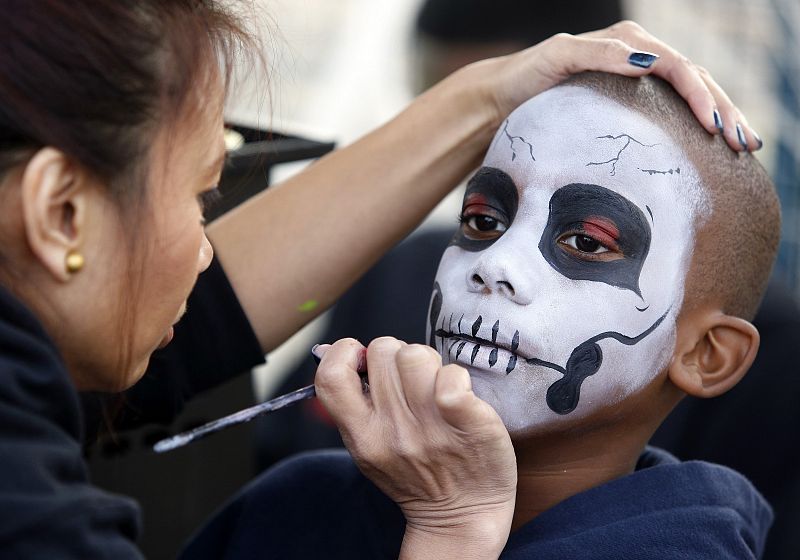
(554, 468)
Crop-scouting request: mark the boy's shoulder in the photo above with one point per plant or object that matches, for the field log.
(664, 509)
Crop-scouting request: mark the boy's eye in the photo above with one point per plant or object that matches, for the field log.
(485, 223)
(584, 244)
(481, 222)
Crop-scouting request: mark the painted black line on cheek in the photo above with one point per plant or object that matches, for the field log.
(575, 203)
(433, 314)
(585, 360)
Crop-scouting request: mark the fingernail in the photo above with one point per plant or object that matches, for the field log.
(718, 121)
(740, 134)
(642, 59)
(317, 357)
(759, 140)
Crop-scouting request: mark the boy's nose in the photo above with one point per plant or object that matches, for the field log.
(494, 273)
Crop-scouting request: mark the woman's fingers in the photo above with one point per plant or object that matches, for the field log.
(739, 135)
(417, 366)
(709, 102)
(572, 54)
(339, 386)
(458, 404)
(385, 388)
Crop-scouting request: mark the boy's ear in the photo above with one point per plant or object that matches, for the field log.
(713, 351)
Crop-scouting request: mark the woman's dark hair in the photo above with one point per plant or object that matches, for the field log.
(98, 80)
(95, 79)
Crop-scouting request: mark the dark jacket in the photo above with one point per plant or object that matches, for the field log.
(48, 507)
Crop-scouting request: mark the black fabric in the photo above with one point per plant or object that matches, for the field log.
(319, 505)
(524, 21)
(48, 507)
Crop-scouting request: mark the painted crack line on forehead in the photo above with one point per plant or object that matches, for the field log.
(511, 139)
(613, 161)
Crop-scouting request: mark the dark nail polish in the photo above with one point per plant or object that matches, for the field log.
(740, 134)
(759, 140)
(718, 121)
(642, 59)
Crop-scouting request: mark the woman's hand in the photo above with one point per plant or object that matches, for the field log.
(424, 438)
(513, 79)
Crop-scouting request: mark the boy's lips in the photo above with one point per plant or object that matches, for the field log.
(441, 333)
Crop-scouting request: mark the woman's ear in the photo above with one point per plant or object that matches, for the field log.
(53, 201)
(713, 351)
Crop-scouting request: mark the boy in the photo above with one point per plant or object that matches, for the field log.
(609, 257)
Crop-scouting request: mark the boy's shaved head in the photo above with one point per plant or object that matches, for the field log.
(736, 243)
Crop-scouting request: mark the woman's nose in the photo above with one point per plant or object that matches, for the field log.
(496, 273)
(206, 254)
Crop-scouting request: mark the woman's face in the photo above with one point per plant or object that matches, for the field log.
(168, 252)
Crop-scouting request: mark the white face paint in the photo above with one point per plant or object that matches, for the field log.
(560, 291)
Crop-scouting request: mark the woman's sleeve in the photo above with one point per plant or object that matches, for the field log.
(213, 343)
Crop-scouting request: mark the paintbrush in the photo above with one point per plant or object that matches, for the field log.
(247, 414)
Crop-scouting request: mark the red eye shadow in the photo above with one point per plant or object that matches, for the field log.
(603, 230)
(475, 198)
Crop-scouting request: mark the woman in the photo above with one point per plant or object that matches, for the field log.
(110, 133)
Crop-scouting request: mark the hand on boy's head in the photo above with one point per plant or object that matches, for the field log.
(582, 236)
(422, 435)
(516, 77)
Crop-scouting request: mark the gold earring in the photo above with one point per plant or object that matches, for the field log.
(73, 262)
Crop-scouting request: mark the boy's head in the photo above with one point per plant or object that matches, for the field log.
(606, 240)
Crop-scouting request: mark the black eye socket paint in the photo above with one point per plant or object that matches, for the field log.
(577, 204)
(495, 189)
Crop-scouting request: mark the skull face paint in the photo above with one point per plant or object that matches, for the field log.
(560, 290)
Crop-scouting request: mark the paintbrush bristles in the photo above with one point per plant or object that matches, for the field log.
(240, 417)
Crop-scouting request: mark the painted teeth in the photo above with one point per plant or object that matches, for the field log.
(460, 348)
(493, 357)
(476, 325)
(495, 328)
(474, 353)
(512, 363)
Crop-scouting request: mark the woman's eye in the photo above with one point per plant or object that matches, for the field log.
(585, 244)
